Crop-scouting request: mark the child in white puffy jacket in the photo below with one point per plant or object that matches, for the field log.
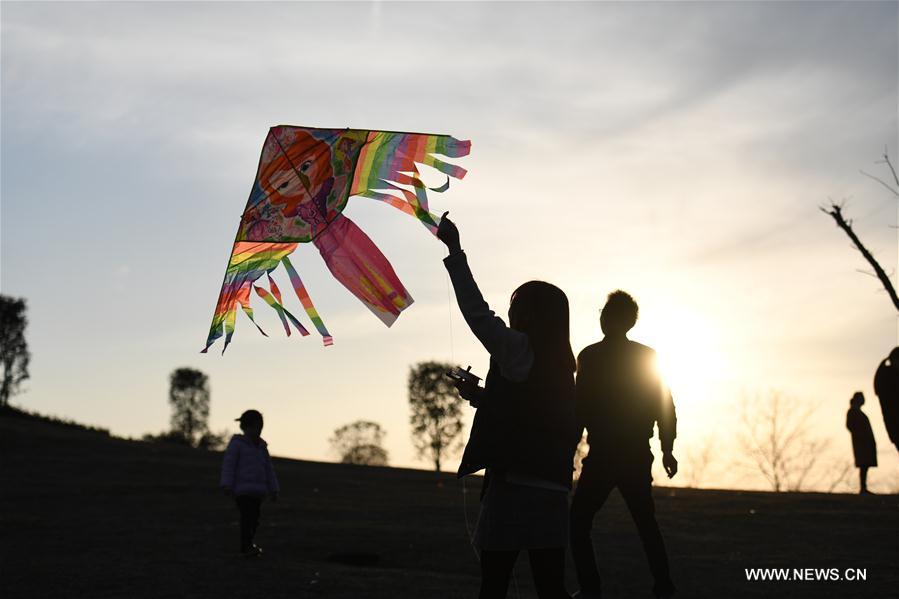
(248, 476)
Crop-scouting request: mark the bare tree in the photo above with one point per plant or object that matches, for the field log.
(436, 412)
(14, 356)
(699, 459)
(189, 398)
(836, 212)
(360, 442)
(839, 476)
(777, 439)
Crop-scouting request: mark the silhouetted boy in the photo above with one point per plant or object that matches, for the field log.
(248, 475)
(886, 386)
(619, 398)
(863, 445)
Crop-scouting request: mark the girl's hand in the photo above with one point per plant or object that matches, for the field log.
(469, 390)
(448, 233)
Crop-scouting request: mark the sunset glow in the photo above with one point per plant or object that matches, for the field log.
(690, 355)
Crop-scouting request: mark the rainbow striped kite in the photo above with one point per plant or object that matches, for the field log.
(304, 179)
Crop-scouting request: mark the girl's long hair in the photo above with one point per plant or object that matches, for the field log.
(540, 310)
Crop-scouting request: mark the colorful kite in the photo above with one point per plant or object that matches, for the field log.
(304, 179)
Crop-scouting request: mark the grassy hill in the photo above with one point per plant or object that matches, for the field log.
(83, 514)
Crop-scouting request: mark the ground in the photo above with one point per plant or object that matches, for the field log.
(86, 515)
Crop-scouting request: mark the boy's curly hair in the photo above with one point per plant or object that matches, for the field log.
(621, 307)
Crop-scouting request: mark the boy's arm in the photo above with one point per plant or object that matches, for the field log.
(229, 466)
(665, 415)
(667, 423)
(667, 433)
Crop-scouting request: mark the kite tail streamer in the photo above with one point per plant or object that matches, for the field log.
(277, 293)
(226, 312)
(301, 292)
(249, 261)
(215, 331)
(389, 159)
(249, 312)
(410, 206)
(243, 298)
(419, 199)
(230, 319)
(359, 265)
(283, 314)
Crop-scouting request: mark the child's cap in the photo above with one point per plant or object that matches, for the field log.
(250, 417)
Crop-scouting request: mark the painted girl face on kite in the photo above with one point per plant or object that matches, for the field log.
(302, 184)
(299, 175)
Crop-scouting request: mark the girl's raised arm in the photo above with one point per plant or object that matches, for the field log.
(508, 347)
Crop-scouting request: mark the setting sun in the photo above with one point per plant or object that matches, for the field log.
(690, 359)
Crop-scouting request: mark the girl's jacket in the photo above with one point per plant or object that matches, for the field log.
(247, 468)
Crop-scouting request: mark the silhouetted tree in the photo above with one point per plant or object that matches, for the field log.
(836, 212)
(777, 438)
(436, 412)
(172, 437)
(189, 398)
(14, 354)
(698, 460)
(360, 443)
(213, 441)
(839, 476)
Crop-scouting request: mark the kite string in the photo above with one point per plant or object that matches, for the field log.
(468, 527)
(449, 316)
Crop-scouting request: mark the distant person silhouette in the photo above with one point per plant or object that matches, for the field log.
(863, 446)
(248, 476)
(886, 386)
(523, 428)
(619, 398)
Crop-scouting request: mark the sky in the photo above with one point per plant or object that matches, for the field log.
(679, 151)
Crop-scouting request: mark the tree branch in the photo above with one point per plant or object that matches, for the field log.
(866, 272)
(835, 211)
(881, 181)
(886, 158)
